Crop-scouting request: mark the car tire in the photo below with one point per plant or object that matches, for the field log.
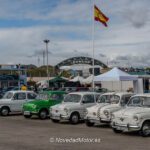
(74, 118)
(55, 121)
(145, 130)
(43, 114)
(27, 116)
(116, 131)
(4, 111)
(88, 123)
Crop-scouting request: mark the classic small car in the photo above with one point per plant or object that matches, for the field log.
(135, 117)
(92, 113)
(73, 108)
(13, 101)
(118, 101)
(43, 102)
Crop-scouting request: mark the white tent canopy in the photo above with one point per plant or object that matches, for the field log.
(115, 75)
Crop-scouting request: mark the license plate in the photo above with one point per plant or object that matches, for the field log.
(26, 113)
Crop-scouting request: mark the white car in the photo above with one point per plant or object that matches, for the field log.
(92, 113)
(135, 117)
(13, 101)
(73, 108)
(118, 101)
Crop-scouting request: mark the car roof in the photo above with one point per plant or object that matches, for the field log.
(144, 95)
(123, 93)
(21, 91)
(108, 93)
(51, 92)
(84, 92)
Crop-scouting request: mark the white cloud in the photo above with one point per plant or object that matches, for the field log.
(68, 25)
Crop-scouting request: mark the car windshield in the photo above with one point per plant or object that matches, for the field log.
(139, 102)
(42, 96)
(57, 97)
(104, 99)
(115, 99)
(72, 98)
(8, 95)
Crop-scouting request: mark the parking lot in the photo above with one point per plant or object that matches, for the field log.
(34, 134)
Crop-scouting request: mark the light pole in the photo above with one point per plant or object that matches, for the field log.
(43, 57)
(46, 41)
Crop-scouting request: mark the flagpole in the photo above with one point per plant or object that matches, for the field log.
(93, 32)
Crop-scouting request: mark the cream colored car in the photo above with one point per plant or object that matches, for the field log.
(73, 108)
(92, 113)
(118, 102)
(135, 117)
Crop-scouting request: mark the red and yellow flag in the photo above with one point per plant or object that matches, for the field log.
(99, 16)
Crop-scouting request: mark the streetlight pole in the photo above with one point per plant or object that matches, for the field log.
(46, 42)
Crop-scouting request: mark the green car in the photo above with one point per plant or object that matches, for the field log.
(43, 102)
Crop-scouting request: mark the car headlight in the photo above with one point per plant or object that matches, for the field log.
(106, 112)
(136, 118)
(66, 110)
(50, 109)
(34, 106)
(86, 112)
(112, 116)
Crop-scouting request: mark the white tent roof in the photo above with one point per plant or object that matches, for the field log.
(77, 78)
(115, 75)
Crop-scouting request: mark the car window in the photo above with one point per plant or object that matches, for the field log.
(20, 96)
(8, 95)
(135, 101)
(104, 99)
(57, 97)
(125, 99)
(88, 99)
(75, 98)
(42, 96)
(31, 96)
(115, 99)
(146, 101)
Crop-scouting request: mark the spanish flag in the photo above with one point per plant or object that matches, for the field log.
(99, 16)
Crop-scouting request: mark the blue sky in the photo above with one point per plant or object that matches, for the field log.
(24, 24)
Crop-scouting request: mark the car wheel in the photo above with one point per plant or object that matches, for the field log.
(4, 111)
(145, 130)
(43, 114)
(55, 121)
(88, 123)
(27, 116)
(116, 131)
(74, 119)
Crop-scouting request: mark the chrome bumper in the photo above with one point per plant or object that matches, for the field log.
(125, 127)
(92, 119)
(59, 117)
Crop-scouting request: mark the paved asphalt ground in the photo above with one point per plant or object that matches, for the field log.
(17, 133)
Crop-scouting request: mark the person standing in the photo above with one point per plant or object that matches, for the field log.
(23, 87)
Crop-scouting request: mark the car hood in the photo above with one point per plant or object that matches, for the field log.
(96, 107)
(63, 105)
(130, 111)
(110, 107)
